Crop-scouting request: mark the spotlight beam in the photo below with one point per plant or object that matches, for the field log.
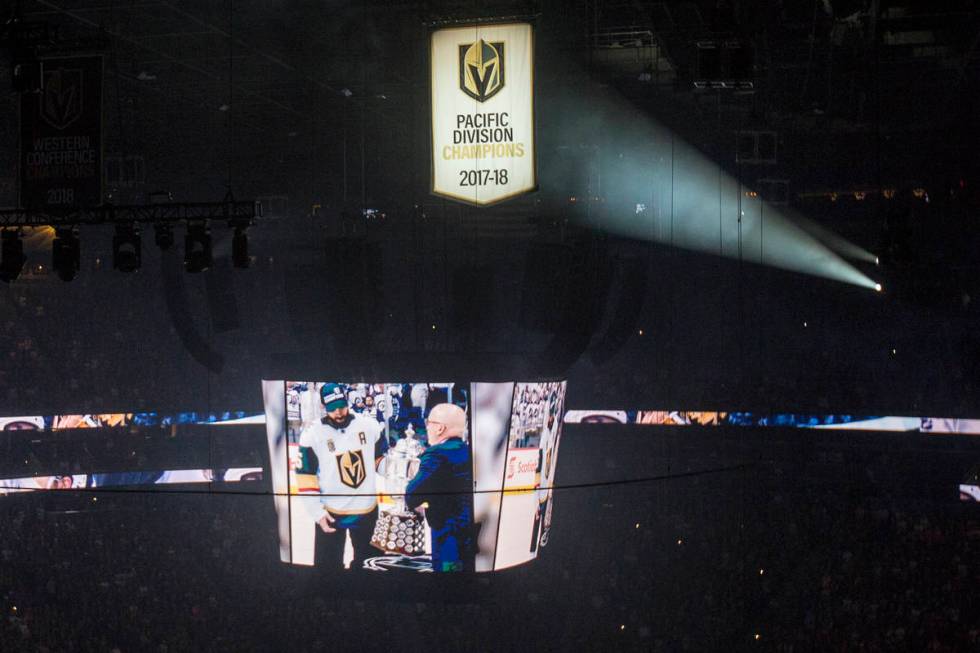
(695, 204)
(841, 245)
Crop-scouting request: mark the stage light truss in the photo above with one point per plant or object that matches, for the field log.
(234, 212)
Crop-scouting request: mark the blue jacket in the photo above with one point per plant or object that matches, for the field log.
(445, 481)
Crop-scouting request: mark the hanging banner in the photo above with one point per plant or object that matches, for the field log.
(483, 112)
(61, 137)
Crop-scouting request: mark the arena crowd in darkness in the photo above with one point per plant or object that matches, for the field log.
(826, 550)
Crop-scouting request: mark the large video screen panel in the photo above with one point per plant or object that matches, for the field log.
(408, 476)
(532, 453)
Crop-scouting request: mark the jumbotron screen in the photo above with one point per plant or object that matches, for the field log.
(426, 477)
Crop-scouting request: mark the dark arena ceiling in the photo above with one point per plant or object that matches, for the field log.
(859, 116)
(277, 86)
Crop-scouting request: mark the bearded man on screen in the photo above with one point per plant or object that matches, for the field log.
(342, 449)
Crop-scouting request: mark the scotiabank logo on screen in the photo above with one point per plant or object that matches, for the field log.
(516, 467)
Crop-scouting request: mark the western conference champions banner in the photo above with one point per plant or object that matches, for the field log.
(61, 136)
(483, 112)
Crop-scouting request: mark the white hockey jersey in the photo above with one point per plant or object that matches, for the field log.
(346, 473)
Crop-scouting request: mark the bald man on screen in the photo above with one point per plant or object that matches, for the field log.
(444, 483)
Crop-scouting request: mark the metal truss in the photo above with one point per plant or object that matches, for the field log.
(234, 212)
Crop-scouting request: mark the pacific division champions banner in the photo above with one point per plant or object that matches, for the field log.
(483, 112)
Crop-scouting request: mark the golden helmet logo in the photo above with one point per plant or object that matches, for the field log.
(351, 467)
(61, 102)
(481, 69)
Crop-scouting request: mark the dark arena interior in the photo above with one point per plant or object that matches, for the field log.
(725, 251)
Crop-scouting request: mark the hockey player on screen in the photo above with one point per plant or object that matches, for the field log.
(342, 449)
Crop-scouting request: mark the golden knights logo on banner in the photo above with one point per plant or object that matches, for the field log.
(481, 69)
(482, 79)
(62, 98)
(61, 136)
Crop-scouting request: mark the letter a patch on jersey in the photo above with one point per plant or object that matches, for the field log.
(351, 467)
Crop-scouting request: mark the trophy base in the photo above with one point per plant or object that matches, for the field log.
(399, 533)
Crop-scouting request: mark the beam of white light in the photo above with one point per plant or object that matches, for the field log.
(841, 245)
(690, 202)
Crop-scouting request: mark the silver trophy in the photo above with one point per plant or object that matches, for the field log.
(398, 529)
